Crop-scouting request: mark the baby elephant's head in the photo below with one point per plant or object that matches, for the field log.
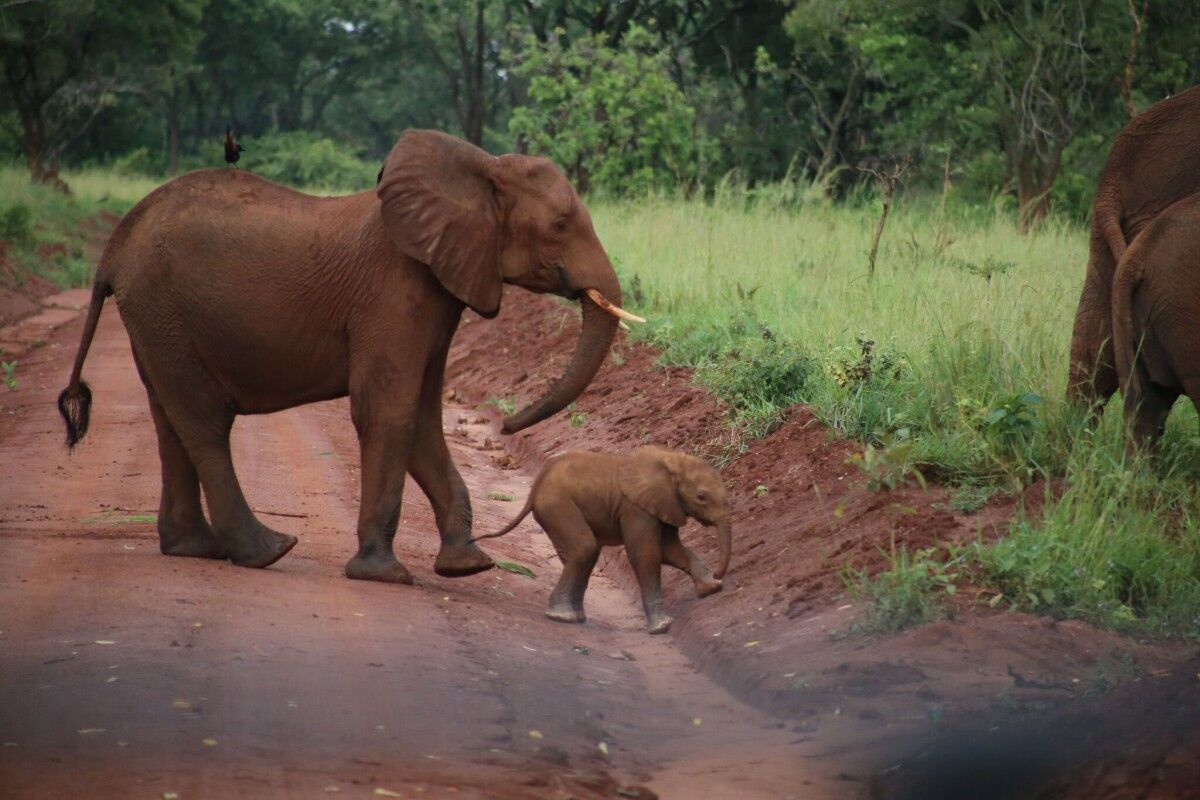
(673, 486)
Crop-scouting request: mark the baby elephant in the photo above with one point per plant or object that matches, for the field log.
(1156, 319)
(585, 501)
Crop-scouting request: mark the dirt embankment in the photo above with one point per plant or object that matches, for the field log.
(777, 635)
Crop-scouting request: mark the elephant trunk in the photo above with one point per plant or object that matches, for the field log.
(595, 335)
(725, 543)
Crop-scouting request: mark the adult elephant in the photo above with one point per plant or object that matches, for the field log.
(1154, 162)
(241, 296)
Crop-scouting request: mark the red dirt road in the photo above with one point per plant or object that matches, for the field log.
(125, 673)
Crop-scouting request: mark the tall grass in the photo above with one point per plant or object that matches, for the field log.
(956, 346)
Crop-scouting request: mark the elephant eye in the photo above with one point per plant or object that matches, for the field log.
(702, 496)
(560, 225)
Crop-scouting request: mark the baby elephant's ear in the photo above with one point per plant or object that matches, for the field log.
(647, 483)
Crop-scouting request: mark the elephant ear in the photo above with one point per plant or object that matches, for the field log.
(440, 207)
(649, 485)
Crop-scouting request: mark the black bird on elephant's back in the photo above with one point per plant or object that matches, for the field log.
(233, 149)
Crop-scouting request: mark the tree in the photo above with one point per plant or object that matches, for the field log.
(613, 119)
(65, 61)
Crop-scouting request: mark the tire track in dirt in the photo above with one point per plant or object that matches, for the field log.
(306, 680)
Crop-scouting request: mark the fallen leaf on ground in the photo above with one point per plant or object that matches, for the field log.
(209, 742)
(181, 704)
(112, 679)
(105, 641)
(170, 795)
(332, 789)
(750, 644)
(381, 792)
(696, 721)
(519, 569)
(535, 734)
(603, 747)
(583, 651)
(86, 731)
(505, 496)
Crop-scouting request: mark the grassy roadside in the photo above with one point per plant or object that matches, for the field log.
(33, 217)
(950, 360)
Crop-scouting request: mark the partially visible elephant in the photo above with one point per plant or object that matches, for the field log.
(1156, 319)
(585, 501)
(1154, 162)
(241, 296)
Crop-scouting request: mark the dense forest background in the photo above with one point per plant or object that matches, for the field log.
(1007, 102)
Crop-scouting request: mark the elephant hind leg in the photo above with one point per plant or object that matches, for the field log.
(578, 551)
(193, 411)
(681, 557)
(1146, 413)
(182, 529)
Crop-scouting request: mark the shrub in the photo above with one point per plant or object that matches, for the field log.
(16, 224)
(305, 160)
(613, 119)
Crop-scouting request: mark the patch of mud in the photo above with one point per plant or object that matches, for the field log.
(777, 636)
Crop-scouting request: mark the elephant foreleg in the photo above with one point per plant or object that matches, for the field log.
(643, 544)
(682, 557)
(385, 440)
(434, 471)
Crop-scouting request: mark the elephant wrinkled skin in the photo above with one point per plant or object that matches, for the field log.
(1156, 319)
(1154, 162)
(241, 296)
(585, 501)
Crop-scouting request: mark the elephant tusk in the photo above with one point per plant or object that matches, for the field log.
(616, 311)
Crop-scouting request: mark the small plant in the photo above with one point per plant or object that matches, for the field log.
(1014, 420)
(761, 490)
(908, 592)
(10, 374)
(577, 418)
(969, 499)
(505, 405)
(990, 266)
(852, 369)
(16, 224)
(888, 467)
(503, 496)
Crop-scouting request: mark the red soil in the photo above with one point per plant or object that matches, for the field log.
(775, 636)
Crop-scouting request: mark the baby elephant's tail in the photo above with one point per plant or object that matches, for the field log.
(508, 528)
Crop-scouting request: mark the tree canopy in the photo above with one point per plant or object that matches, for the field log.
(1011, 99)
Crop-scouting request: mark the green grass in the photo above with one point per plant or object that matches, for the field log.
(38, 216)
(955, 349)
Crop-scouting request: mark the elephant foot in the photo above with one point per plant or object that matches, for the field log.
(706, 587)
(460, 560)
(385, 569)
(197, 542)
(659, 623)
(565, 613)
(260, 547)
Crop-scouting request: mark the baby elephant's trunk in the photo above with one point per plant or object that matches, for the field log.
(725, 543)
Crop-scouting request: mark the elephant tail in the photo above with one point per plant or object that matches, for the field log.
(1108, 222)
(1125, 337)
(516, 521)
(75, 401)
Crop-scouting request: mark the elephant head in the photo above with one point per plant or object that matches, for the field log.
(479, 221)
(674, 486)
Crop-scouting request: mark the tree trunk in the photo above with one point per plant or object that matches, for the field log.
(476, 101)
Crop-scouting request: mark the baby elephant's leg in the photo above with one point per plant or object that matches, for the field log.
(643, 545)
(577, 549)
(682, 557)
